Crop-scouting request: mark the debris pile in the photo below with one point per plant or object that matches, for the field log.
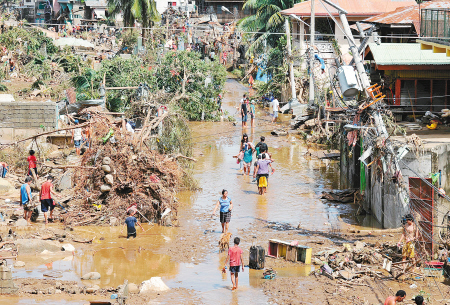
(114, 174)
(353, 262)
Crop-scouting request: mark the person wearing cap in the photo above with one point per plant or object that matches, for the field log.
(76, 138)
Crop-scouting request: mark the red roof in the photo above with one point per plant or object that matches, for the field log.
(353, 7)
(408, 14)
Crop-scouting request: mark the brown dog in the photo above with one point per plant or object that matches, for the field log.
(224, 241)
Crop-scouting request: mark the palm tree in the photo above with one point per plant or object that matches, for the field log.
(142, 10)
(265, 21)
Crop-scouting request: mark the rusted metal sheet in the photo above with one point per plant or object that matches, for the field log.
(421, 196)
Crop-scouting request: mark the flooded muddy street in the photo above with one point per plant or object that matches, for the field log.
(187, 257)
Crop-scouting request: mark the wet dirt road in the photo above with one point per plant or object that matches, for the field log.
(293, 197)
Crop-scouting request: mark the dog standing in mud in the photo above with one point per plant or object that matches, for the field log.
(224, 242)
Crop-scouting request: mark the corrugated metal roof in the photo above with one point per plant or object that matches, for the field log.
(405, 54)
(407, 15)
(353, 7)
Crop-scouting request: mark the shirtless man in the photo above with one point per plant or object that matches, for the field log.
(410, 235)
(399, 297)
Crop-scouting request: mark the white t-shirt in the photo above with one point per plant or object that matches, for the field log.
(275, 104)
(77, 134)
(129, 128)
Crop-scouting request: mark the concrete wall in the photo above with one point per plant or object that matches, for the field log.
(28, 114)
(381, 198)
(22, 119)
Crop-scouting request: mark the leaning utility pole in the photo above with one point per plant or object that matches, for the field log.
(376, 114)
(291, 62)
(312, 30)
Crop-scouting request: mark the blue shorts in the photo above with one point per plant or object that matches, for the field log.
(244, 118)
(275, 114)
(77, 143)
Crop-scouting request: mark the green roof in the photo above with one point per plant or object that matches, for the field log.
(404, 54)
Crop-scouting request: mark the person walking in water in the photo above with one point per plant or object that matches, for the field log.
(244, 113)
(262, 173)
(275, 107)
(393, 300)
(235, 258)
(252, 113)
(226, 206)
(248, 149)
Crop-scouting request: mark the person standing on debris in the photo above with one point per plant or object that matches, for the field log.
(130, 223)
(76, 138)
(45, 196)
(224, 58)
(262, 173)
(418, 300)
(226, 206)
(399, 297)
(235, 258)
(11, 65)
(3, 169)
(25, 199)
(410, 235)
(275, 109)
(32, 167)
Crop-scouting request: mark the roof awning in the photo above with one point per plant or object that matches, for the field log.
(99, 13)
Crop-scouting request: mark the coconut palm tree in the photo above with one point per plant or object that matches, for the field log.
(265, 21)
(142, 10)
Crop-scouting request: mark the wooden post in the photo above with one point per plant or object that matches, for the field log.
(431, 95)
(415, 91)
(446, 92)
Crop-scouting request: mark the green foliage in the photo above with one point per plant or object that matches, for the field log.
(3, 88)
(129, 38)
(34, 39)
(265, 21)
(177, 66)
(142, 10)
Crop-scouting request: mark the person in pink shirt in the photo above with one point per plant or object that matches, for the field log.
(235, 257)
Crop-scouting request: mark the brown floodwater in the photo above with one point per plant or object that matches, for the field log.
(293, 197)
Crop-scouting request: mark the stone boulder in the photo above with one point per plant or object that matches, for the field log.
(153, 284)
(91, 276)
(109, 179)
(105, 188)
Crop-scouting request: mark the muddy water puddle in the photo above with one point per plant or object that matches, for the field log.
(111, 254)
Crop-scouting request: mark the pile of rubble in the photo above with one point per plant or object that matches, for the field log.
(354, 261)
(115, 174)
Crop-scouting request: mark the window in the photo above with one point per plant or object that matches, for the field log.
(219, 9)
(169, 4)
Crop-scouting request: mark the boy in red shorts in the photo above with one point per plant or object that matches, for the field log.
(235, 257)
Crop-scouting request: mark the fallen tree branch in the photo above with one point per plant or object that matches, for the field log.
(68, 166)
(46, 133)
